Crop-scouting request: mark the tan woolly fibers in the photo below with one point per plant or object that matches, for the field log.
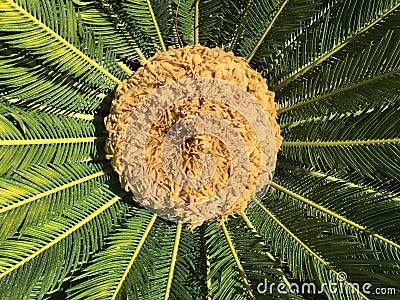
(192, 62)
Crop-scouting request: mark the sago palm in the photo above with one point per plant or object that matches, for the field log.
(330, 215)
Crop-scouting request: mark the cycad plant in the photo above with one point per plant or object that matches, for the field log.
(330, 217)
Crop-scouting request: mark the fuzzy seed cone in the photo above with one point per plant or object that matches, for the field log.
(177, 64)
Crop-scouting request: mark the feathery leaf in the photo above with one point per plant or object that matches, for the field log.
(79, 231)
(31, 138)
(348, 84)
(40, 31)
(367, 143)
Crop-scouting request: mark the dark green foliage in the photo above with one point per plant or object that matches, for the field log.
(333, 205)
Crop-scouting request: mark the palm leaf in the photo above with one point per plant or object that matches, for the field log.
(154, 18)
(104, 21)
(119, 269)
(212, 15)
(239, 277)
(54, 44)
(189, 279)
(227, 279)
(351, 200)
(332, 207)
(43, 244)
(230, 14)
(140, 262)
(185, 19)
(348, 84)
(259, 40)
(31, 138)
(348, 22)
(27, 84)
(345, 142)
(301, 238)
(380, 240)
(31, 196)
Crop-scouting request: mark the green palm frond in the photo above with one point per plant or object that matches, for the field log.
(348, 84)
(119, 269)
(345, 143)
(349, 22)
(29, 197)
(190, 273)
(185, 20)
(239, 261)
(314, 246)
(371, 232)
(124, 267)
(227, 279)
(348, 200)
(161, 247)
(333, 204)
(230, 14)
(389, 188)
(259, 40)
(154, 18)
(32, 138)
(44, 244)
(27, 28)
(100, 17)
(28, 84)
(210, 12)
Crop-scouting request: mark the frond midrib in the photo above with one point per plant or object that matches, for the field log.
(339, 91)
(266, 31)
(335, 49)
(62, 236)
(238, 263)
(308, 249)
(50, 141)
(66, 44)
(54, 190)
(134, 256)
(339, 143)
(331, 178)
(174, 255)
(334, 215)
(120, 25)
